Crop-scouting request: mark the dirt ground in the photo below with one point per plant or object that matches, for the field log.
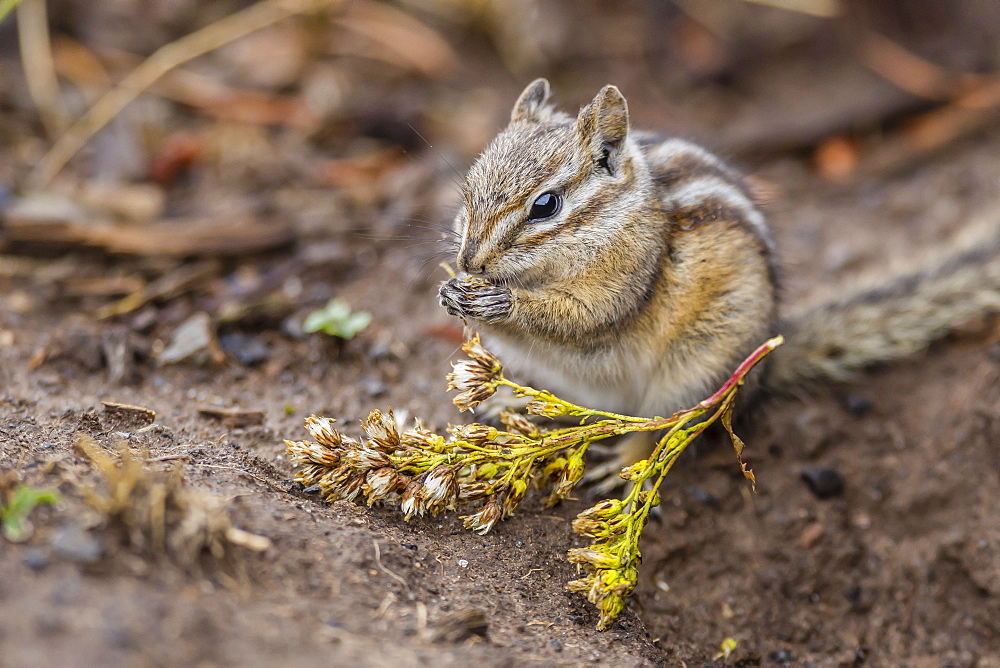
(900, 567)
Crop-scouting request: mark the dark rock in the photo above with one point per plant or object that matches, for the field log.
(35, 558)
(824, 482)
(249, 350)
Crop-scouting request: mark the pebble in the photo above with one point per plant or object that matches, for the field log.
(249, 350)
(824, 482)
(35, 558)
(74, 544)
(191, 336)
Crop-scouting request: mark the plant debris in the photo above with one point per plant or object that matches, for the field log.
(16, 505)
(156, 513)
(426, 474)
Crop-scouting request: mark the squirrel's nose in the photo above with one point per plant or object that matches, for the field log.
(468, 262)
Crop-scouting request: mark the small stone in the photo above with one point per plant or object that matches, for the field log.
(464, 563)
(556, 645)
(824, 482)
(193, 338)
(249, 350)
(35, 558)
(74, 544)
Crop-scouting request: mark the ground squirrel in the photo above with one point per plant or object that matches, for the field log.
(633, 274)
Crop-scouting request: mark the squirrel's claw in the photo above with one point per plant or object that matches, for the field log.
(471, 298)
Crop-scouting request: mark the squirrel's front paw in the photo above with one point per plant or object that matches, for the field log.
(479, 300)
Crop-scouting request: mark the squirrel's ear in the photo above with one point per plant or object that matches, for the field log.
(603, 125)
(531, 101)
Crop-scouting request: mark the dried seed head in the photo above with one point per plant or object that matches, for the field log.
(484, 520)
(380, 483)
(472, 397)
(306, 453)
(381, 428)
(353, 488)
(473, 433)
(341, 483)
(470, 491)
(581, 586)
(311, 473)
(591, 528)
(572, 473)
(546, 408)
(321, 428)
(365, 458)
(591, 557)
(487, 360)
(648, 495)
(604, 510)
(516, 422)
(421, 438)
(634, 471)
(410, 501)
(440, 490)
(517, 490)
(475, 378)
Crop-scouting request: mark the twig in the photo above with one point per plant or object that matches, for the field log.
(908, 71)
(39, 66)
(166, 58)
(244, 472)
(378, 562)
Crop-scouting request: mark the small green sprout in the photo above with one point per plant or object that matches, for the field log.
(336, 319)
(425, 473)
(18, 505)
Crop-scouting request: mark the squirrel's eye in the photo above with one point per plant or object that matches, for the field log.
(546, 206)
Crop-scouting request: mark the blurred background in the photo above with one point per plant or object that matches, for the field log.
(184, 184)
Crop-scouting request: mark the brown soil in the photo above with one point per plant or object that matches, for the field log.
(900, 568)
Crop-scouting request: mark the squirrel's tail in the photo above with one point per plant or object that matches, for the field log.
(834, 340)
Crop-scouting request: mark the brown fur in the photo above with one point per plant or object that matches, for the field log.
(656, 278)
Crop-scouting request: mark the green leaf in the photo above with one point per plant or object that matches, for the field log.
(337, 320)
(14, 516)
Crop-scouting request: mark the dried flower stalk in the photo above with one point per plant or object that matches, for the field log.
(425, 473)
